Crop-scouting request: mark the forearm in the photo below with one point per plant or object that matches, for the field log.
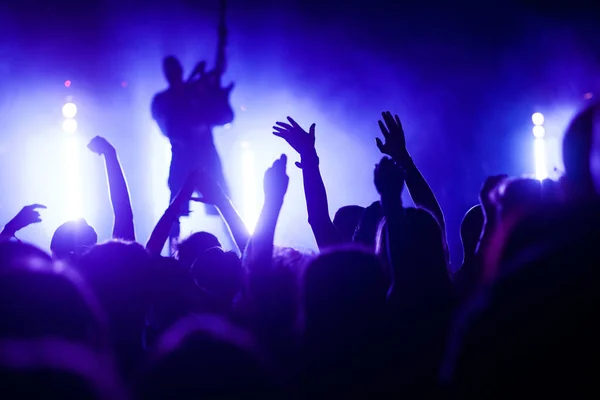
(316, 203)
(6, 234)
(234, 222)
(420, 191)
(259, 252)
(119, 197)
(161, 231)
(393, 213)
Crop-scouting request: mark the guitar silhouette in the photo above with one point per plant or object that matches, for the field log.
(213, 78)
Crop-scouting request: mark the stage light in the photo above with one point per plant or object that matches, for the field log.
(67, 83)
(537, 119)
(73, 189)
(249, 187)
(539, 131)
(541, 169)
(69, 126)
(69, 110)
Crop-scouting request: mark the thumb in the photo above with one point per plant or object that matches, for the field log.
(298, 164)
(379, 144)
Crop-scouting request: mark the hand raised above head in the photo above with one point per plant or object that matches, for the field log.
(276, 180)
(300, 140)
(393, 134)
(388, 177)
(27, 216)
(101, 146)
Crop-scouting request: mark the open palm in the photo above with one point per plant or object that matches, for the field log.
(300, 140)
(393, 134)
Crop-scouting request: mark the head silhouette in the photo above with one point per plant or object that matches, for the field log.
(173, 71)
(72, 239)
(346, 220)
(577, 150)
(194, 246)
(518, 196)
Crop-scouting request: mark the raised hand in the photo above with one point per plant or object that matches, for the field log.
(27, 216)
(300, 140)
(276, 180)
(388, 177)
(395, 142)
(101, 146)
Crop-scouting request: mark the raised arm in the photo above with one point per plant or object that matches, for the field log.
(160, 234)
(303, 142)
(259, 253)
(119, 193)
(213, 194)
(27, 216)
(389, 182)
(395, 147)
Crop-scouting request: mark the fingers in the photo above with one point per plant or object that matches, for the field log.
(280, 130)
(280, 164)
(389, 120)
(384, 130)
(36, 206)
(312, 129)
(284, 125)
(294, 123)
(398, 121)
(283, 162)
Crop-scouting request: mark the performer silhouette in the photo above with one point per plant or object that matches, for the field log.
(186, 112)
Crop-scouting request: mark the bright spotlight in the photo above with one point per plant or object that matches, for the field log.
(69, 110)
(538, 119)
(539, 131)
(539, 149)
(69, 126)
(249, 187)
(72, 178)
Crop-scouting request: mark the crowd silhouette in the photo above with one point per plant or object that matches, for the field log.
(377, 311)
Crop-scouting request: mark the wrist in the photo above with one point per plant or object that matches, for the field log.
(310, 157)
(403, 159)
(112, 153)
(9, 230)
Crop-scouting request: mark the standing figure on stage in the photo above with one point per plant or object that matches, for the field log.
(186, 112)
